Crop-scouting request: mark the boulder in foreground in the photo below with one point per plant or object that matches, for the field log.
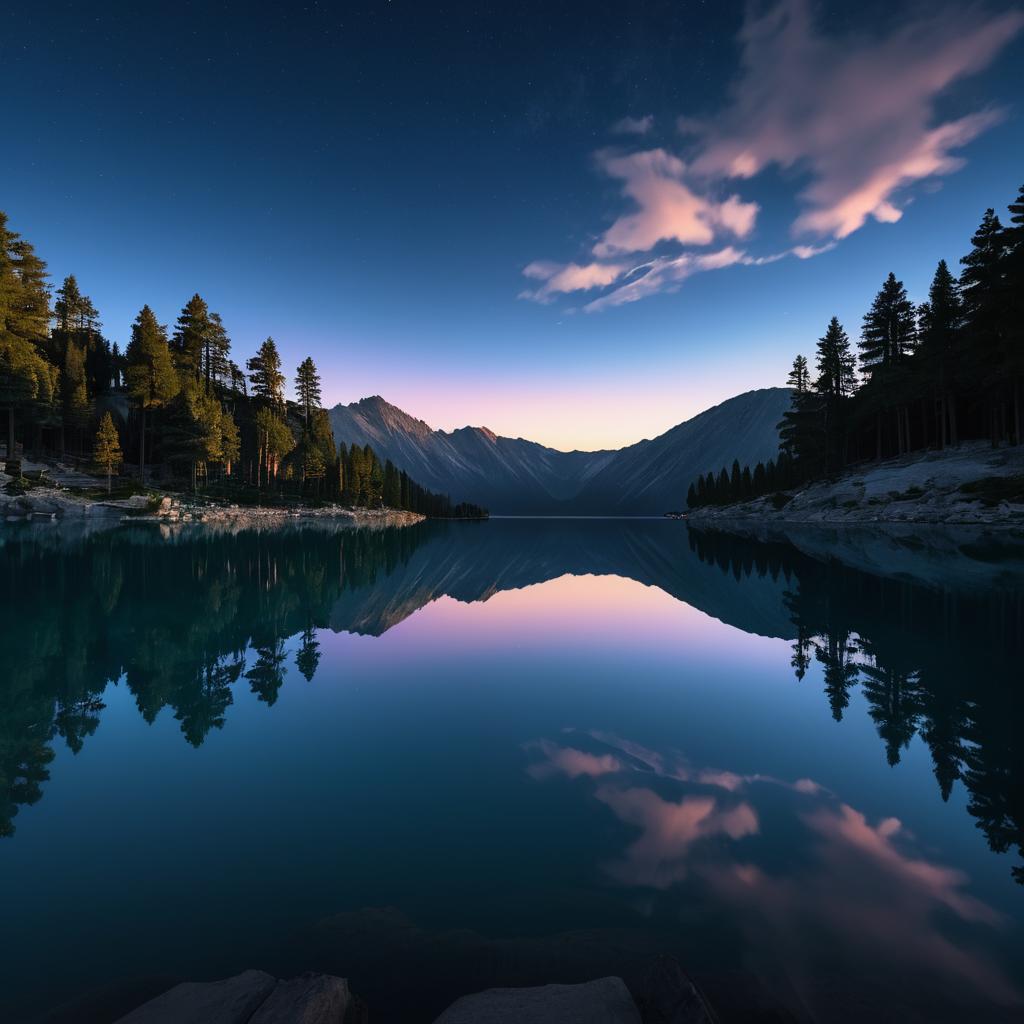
(252, 997)
(231, 1001)
(604, 1001)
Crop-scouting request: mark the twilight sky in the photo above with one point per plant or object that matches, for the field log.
(580, 224)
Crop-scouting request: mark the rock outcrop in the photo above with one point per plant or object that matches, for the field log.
(252, 997)
(973, 484)
(231, 1001)
(255, 997)
(41, 503)
(604, 1001)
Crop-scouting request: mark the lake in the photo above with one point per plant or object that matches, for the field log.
(460, 755)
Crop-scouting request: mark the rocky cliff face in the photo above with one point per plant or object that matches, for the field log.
(515, 476)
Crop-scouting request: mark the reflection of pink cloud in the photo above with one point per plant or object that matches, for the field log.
(669, 209)
(941, 884)
(571, 762)
(659, 857)
(853, 888)
(855, 111)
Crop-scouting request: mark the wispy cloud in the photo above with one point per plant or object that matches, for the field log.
(634, 125)
(856, 113)
(559, 278)
(853, 115)
(664, 274)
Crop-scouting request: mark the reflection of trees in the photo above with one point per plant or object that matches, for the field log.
(308, 656)
(266, 677)
(174, 619)
(936, 662)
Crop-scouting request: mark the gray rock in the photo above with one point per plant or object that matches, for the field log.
(308, 999)
(231, 1001)
(604, 1001)
(669, 997)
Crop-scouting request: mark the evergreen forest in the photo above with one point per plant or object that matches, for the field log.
(174, 407)
(920, 377)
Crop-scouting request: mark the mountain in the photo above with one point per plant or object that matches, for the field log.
(513, 476)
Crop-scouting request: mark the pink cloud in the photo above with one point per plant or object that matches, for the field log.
(560, 278)
(857, 113)
(854, 115)
(664, 274)
(668, 209)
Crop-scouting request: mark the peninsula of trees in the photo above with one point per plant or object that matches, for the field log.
(924, 377)
(174, 405)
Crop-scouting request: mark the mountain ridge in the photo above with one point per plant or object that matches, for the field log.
(519, 476)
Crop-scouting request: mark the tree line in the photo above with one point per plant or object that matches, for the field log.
(878, 633)
(923, 377)
(176, 399)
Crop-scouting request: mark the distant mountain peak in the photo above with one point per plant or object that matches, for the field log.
(520, 476)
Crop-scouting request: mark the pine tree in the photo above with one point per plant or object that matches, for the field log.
(889, 329)
(940, 324)
(106, 451)
(691, 496)
(116, 366)
(1013, 237)
(77, 409)
(835, 362)
(217, 363)
(307, 387)
(230, 443)
(28, 381)
(799, 376)
(313, 465)
(191, 336)
(983, 286)
(149, 373)
(266, 376)
(722, 488)
(274, 442)
(834, 384)
(392, 486)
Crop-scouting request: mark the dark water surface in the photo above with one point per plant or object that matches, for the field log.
(471, 754)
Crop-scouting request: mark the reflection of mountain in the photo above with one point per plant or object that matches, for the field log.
(185, 622)
(472, 562)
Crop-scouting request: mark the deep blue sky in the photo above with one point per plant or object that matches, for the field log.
(367, 182)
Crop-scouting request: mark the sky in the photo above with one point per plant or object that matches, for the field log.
(575, 223)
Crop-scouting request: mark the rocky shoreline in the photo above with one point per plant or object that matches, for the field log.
(974, 484)
(255, 997)
(43, 504)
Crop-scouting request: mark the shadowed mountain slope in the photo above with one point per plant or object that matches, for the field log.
(515, 476)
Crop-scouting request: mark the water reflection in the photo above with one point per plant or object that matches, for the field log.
(932, 634)
(857, 890)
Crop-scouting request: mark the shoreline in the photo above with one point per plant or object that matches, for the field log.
(41, 504)
(973, 485)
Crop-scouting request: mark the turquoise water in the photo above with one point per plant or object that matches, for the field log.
(471, 754)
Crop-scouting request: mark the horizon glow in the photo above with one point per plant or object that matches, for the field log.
(504, 222)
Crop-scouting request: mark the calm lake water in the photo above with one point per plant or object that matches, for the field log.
(469, 754)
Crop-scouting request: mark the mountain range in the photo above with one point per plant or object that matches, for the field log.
(513, 476)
